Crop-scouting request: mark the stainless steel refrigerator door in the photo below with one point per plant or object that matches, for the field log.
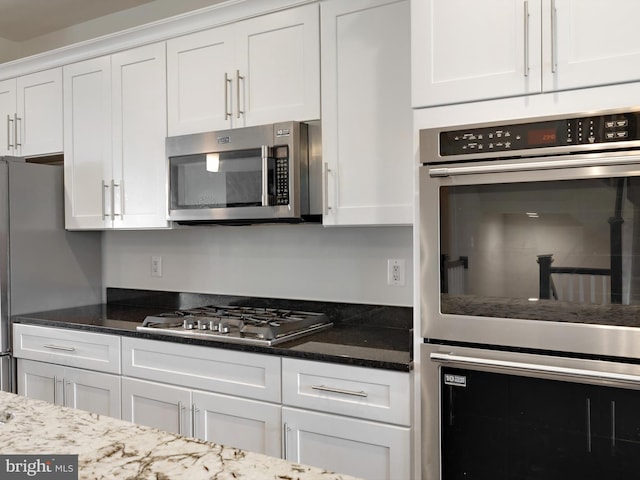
(5, 342)
(49, 267)
(6, 374)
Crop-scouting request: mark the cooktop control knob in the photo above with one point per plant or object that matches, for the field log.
(213, 325)
(203, 325)
(223, 328)
(187, 324)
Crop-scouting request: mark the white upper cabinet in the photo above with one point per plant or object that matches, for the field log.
(139, 102)
(200, 74)
(366, 112)
(87, 143)
(262, 70)
(31, 114)
(465, 51)
(115, 129)
(7, 116)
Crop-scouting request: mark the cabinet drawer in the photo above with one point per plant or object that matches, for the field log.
(92, 351)
(242, 374)
(374, 394)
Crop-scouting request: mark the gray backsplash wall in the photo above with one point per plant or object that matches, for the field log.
(281, 261)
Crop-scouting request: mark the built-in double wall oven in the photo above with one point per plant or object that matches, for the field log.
(530, 298)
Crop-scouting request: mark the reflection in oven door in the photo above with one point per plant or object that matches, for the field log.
(502, 415)
(543, 258)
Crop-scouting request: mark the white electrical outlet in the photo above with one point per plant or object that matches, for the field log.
(395, 272)
(156, 266)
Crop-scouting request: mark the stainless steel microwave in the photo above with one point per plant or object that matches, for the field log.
(266, 173)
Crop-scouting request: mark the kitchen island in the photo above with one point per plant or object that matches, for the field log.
(110, 448)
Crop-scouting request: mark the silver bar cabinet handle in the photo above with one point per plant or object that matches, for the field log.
(55, 389)
(554, 37)
(16, 130)
(325, 188)
(65, 383)
(113, 193)
(526, 38)
(324, 388)
(238, 78)
(180, 410)
(265, 176)
(9, 121)
(194, 420)
(285, 440)
(227, 81)
(105, 190)
(60, 347)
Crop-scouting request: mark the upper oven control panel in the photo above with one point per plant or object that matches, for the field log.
(594, 130)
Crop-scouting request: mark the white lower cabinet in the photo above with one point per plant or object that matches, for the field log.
(239, 422)
(166, 407)
(352, 420)
(223, 419)
(69, 367)
(352, 446)
(347, 419)
(217, 395)
(94, 392)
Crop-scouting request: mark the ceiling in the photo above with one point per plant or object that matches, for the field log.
(22, 20)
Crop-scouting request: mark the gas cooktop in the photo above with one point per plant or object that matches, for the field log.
(236, 324)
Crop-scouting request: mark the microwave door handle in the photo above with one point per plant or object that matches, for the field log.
(265, 176)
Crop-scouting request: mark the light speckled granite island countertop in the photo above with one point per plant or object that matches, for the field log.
(108, 448)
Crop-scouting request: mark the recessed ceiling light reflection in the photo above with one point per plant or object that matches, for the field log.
(213, 162)
(532, 215)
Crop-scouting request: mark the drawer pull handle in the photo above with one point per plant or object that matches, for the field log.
(339, 390)
(60, 347)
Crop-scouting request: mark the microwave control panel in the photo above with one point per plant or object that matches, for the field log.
(596, 130)
(281, 157)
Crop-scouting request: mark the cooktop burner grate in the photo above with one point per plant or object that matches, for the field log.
(238, 324)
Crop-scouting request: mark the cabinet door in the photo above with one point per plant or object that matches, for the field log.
(92, 391)
(238, 422)
(366, 112)
(7, 116)
(465, 51)
(39, 113)
(360, 448)
(42, 381)
(87, 144)
(200, 81)
(278, 57)
(139, 133)
(157, 405)
(589, 43)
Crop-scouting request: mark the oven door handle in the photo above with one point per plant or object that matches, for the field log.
(531, 166)
(535, 368)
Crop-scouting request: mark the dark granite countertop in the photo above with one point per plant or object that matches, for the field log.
(374, 336)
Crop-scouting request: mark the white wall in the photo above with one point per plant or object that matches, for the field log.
(281, 261)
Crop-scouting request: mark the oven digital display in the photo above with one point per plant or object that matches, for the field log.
(542, 136)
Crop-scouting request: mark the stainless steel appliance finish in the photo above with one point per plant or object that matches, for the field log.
(244, 175)
(236, 324)
(470, 202)
(506, 210)
(434, 357)
(42, 266)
